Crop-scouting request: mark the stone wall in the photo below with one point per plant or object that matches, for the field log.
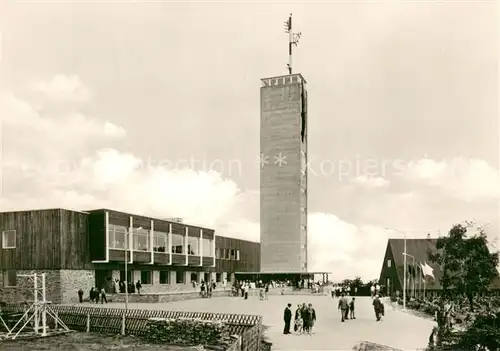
(74, 280)
(23, 292)
(166, 297)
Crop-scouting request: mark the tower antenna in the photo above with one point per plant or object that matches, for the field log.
(293, 40)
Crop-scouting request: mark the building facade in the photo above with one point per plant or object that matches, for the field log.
(283, 176)
(393, 268)
(81, 250)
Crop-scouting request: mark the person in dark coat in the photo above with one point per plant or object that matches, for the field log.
(312, 318)
(80, 295)
(306, 318)
(298, 317)
(351, 308)
(378, 307)
(92, 295)
(343, 307)
(287, 317)
(138, 286)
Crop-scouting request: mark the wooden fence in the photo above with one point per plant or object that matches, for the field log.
(134, 322)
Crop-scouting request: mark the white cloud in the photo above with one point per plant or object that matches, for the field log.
(114, 130)
(64, 88)
(466, 179)
(370, 181)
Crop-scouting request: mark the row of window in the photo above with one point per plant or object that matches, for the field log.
(227, 254)
(10, 277)
(141, 241)
(147, 277)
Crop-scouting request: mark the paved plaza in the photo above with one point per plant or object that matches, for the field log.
(398, 329)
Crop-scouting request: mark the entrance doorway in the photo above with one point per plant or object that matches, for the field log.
(103, 280)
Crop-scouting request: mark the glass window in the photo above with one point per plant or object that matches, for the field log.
(141, 239)
(117, 237)
(194, 277)
(237, 255)
(10, 278)
(193, 246)
(217, 252)
(129, 276)
(232, 254)
(146, 277)
(218, 277)
(388, 263)
(178, 243)
(207, 247)
(9, 239)
(160, 241)
(179, 277)
(164, 277)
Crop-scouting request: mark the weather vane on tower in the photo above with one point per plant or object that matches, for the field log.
(293, 40)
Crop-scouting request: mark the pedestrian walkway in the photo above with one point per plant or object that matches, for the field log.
(397, 329)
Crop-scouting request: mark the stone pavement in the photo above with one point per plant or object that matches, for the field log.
(397, 329)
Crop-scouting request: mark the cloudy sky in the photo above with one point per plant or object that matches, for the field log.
(153, 108)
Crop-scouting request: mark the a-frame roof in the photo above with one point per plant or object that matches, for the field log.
(419, 249)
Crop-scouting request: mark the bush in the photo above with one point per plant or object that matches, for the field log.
(484, 331)
(187, 331)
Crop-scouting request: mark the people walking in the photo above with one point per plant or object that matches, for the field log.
(245, 289)
(103, 296)
(343, 306)
(80, 295)
(378, 307)
(287, 317)
(306, 318)
(138, 286)
(299, 323)
(312, 318)
(351, 308)
(93, 294)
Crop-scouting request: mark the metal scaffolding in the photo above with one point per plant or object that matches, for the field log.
(37, 312)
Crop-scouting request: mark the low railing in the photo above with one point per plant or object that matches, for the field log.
(134, 322)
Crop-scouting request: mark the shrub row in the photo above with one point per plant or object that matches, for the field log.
(471, 330)
(187, 331)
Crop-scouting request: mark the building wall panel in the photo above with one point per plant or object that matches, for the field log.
(208, 261)
(38, 239)
(161, 258)
(119, 218)
(97, 236)
(249, 255)
(116, 255)
(193, 231)
(194, 260)
(178, 259)
(208, 233)
(142, 257)
(74, 239)
(178, 228)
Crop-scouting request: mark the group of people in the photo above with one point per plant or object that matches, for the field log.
(346, 308)
(305, 317)
(207, 288)
(94, 295)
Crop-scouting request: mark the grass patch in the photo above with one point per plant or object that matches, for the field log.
(76, 341)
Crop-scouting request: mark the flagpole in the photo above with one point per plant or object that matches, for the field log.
(293, 39)
(414, 276)
(404, 273)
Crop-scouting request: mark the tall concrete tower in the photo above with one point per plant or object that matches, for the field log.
(283, 176)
